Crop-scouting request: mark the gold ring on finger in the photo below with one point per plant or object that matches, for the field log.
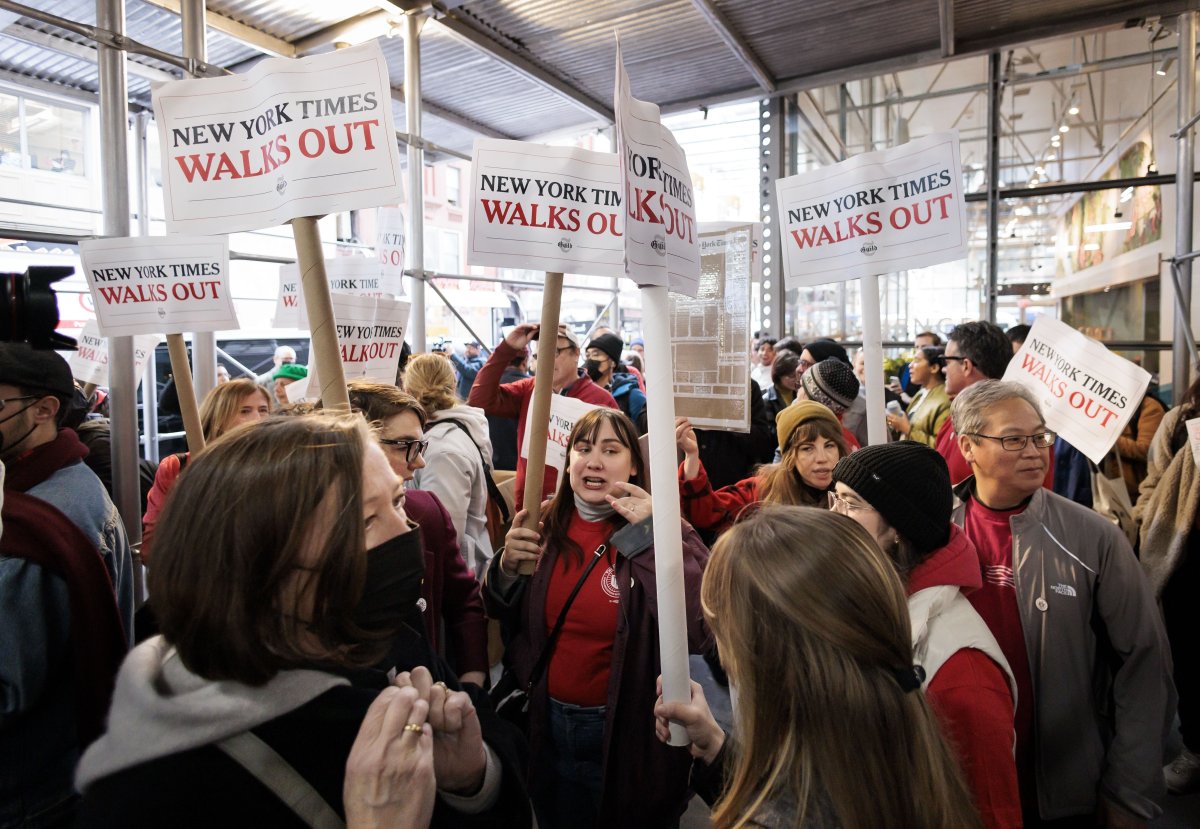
(415, 728)
(442, 685)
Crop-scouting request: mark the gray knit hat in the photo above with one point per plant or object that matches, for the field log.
(832, 383)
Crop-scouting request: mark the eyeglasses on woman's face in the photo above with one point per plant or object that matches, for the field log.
(412, 448)
(846, 506)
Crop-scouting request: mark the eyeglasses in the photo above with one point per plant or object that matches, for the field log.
(804, 365)
(948, 357)
(841, 505)
(1015, 443)
(7, 400)
(413, 447)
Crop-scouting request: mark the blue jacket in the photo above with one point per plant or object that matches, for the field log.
(629, 396)
(467, 369)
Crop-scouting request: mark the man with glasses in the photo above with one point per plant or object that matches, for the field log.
(66, 592)
(513, 399)
(1076, 620)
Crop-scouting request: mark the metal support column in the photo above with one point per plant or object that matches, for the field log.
(770, 167)
(1185, 167)
(413, 22)
(993, 184)
(204, 343)
(149, 387)
(114, 149)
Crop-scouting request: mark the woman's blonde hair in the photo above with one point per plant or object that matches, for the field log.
(430, 379)
(223, 402)
(812, 624)
(780, 483)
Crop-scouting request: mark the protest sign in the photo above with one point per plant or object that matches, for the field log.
(289, 138)
(389, 246)
(355, 275)
(89, 363)
(710, 333)
(882, 211)
(661, 241)
(564, 411)
(1087, 393)
(551, 208)
(159, 284)
(1193, 430)
(370, 335)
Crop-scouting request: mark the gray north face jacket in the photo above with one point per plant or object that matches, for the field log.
(1098, 657)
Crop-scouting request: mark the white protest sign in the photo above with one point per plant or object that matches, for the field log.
(89, 363)
(370, 332)
(661, 242)
(882, 211)
(1193, 430)
(1087, 393)
(355, 275)
(551, 208)
(564, 411)
(289, 138)
(159, 284)
(389, 245)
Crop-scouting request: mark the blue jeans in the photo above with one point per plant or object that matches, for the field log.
(570, 798)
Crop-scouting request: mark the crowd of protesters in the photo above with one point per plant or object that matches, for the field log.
(936, 631)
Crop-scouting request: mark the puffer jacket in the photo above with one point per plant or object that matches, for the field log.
(1098, 659)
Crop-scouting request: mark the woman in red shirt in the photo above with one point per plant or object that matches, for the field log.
(593, 760)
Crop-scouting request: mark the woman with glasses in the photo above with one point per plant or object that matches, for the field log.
(900, 494)
(930, 407)
(455, 469)
(453, 613)
(811, 441)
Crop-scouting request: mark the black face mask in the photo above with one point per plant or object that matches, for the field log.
(17, 413)
(395, 571)
(592, 367)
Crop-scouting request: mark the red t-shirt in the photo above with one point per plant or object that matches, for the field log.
(996, 602)
(582, 658)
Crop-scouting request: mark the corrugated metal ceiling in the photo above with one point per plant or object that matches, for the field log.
(672, 51)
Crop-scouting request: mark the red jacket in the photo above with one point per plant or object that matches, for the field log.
(971, 696)
(960, 470)
(711, 509)
(450, 591)
(164, 479)
(513, 399)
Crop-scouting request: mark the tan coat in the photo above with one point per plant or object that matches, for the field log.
(1166, 505)
(1133, 450)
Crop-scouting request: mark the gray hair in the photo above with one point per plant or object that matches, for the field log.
(969, 409)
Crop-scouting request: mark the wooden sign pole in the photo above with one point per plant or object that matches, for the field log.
(326, 354)
(181, 371)
(539, 421)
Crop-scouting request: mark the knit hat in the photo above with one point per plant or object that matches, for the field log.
(831, 382)
(290, 371)
(824, 349)
(909, 484)
(36, 368)
(610, 344)
(798, 413)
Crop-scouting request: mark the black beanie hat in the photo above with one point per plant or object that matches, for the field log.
(610, 344)
(832, 383)
(824, 349)
(909, 484)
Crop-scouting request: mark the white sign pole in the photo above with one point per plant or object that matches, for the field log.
(873, 356)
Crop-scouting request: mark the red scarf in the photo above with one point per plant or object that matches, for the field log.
(32, 467)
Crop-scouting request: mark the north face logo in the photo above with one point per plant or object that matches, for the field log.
(1063, 590)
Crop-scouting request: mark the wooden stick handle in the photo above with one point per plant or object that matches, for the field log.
(181, 370)
(326, 353)
(543, 390)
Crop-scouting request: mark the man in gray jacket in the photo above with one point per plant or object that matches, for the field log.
(1075, 617)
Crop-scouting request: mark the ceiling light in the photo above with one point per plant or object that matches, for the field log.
(1165, 65)
(1104, 228)
(1064, 128)
(1091, 246)
(1126, 194)
(1151, 169)
(1055, 141)
(1041, 171)
(1074, 110)
(1051, 156)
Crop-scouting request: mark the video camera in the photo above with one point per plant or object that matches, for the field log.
(29, 307)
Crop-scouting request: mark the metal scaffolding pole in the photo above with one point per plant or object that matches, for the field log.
(416, 179)
(204, 343)
(149, 386)
(993, 184)
(114, 149)
(1185, 166)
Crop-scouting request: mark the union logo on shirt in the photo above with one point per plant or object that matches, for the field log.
(608, 583)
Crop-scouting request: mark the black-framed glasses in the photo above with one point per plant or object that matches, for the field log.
(413, 447)
(6, 400)
(1015, 443)
(956, 359)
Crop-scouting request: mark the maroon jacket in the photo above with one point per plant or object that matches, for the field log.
(449, 590)
(645, 782)
(513, 399)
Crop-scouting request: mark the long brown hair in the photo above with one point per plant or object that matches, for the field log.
(780, 483)
(223, 402)
(558, 514)
(233, 535)
(812, 624)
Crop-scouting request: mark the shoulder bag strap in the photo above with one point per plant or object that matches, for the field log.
(493, 490)
(262, 761)
(539, 667)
